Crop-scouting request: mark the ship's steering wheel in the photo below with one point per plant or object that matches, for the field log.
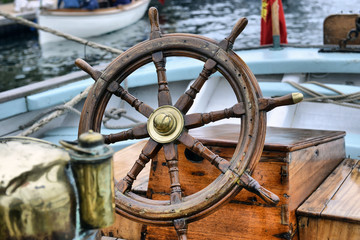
(168, 125)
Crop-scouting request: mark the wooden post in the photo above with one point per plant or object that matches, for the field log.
(275, 24)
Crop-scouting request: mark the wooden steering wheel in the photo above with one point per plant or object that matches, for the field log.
(168, 125)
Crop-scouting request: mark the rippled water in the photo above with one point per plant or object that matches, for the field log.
(23, 61)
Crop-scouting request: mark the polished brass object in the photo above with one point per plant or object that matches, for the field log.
(92, 166)
(165, 124)
(36, 198)
(297, 97)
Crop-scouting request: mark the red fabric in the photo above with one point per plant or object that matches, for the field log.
(162, 2)
(266, 23)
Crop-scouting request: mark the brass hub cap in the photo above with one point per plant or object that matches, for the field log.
(165, 124)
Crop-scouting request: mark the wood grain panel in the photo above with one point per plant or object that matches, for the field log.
(345, 204)
(324, 229)
(277, 139)
(292, 175)
(317, 202)
(332, 212)
(312, 164)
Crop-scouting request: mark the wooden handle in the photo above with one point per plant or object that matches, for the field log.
(253, 186)
(154, 23)
(275, 18)
(237, 29)
(268, 104)
(95, 74)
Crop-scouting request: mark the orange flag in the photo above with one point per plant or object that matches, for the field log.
(273, 24)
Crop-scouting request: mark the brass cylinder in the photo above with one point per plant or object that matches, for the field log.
(36, 198)
(92, 167)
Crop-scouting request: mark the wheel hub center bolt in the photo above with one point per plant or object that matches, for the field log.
(164, 123)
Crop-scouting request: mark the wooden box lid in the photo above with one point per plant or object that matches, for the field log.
(338, 197)
(277, 139)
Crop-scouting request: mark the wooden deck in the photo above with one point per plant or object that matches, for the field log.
(332, 211)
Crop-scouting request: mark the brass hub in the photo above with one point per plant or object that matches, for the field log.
(165, 124)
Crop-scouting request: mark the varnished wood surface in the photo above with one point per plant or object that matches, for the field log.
(306, 168)
(338, 198)
(312, 165)
(324, 229)
(345, 204)
(247, 216)
(337, 26)
(277, 139)
(242, 218)
(124, 160)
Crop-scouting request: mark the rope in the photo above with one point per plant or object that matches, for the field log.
(41, 115)
(63, 109)
(60, 34)
(348, 100)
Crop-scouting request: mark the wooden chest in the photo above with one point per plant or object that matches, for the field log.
(293, 164)
(333, 210)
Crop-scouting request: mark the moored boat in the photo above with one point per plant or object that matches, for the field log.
(87, 23)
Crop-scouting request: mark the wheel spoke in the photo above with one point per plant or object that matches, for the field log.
(228, 42)
(200, 119)
(120, 92)
(181, 228)
(164, 97)
(137, 132)
(265, 104)
(149, 151)
(171, 156)
(186, 100)
(198, 148)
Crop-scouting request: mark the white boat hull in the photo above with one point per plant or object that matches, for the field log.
(90, 23)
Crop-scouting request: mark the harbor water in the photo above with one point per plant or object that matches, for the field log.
(24, 61)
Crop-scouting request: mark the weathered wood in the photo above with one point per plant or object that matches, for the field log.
(337, 26)
(292, 167)
(140, 106)
(277, 139)
(164, 97)
(332, 211)
(228, 42)
(197, 147)
(196, 120)
(83, 65)
(317, 202)
(171, 156)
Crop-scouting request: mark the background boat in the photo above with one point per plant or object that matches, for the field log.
(87, 23)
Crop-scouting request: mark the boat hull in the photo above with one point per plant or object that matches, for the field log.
(83, 23)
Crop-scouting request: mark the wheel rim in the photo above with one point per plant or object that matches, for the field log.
(251, 139)
(200, 203)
